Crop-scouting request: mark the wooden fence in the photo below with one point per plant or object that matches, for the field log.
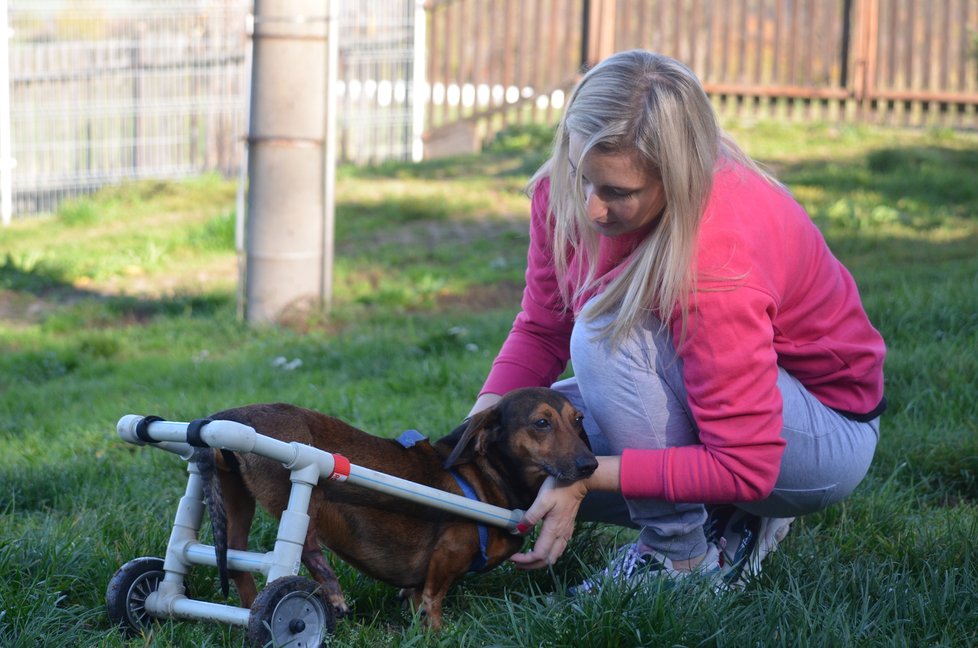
(885, 61)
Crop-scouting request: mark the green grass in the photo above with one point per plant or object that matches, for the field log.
(123, 302)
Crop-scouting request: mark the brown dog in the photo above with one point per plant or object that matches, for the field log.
(504, 453)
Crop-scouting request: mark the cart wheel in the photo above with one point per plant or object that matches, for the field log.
(127, 592)
(289, 612)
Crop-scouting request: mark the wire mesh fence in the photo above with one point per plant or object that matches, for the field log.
(116, 90)
(376, 91)
(103, 91)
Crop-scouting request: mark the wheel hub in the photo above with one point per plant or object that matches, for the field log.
(297, 621)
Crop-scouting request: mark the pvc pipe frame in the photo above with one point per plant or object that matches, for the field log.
(308, 465)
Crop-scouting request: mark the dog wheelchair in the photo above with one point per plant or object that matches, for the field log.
(288, 611)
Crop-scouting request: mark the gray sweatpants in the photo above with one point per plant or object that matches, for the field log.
(634, 397)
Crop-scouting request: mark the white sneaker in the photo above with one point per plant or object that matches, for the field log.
(633, 565)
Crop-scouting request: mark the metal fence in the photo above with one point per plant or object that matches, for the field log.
(378, 117)
(107, 91)
(103, 91)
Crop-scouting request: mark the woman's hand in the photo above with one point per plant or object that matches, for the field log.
(556, 504)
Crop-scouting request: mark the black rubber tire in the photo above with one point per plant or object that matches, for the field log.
(290, 612)
(125, 597)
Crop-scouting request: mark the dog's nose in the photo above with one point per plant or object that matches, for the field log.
(586, 465)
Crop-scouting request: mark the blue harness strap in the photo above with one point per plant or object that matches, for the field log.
(479, 562)
(407, 439)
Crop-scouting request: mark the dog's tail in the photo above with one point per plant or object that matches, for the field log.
(214, 501)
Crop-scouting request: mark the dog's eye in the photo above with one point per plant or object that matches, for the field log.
(541, 424)
(579, 420)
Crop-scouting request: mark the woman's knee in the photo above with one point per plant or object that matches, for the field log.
(634, 391)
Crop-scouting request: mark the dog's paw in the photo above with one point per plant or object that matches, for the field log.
(337, 602)
(410, 598)
(407, 594)
(342, 610)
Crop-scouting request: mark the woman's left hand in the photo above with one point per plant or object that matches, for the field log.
(556, 504)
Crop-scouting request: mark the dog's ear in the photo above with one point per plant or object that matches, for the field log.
(472, 437)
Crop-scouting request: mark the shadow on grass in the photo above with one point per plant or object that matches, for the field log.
(516, 151)
(26, 294)
(933, 181)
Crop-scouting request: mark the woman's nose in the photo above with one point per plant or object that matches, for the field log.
(593, 205)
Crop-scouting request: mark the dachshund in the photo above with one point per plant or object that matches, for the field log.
(503, 454)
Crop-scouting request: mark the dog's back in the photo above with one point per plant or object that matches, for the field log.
(269, 482)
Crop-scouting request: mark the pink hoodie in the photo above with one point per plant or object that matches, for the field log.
(769, 294)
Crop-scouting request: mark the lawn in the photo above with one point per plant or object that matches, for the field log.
(124, 302)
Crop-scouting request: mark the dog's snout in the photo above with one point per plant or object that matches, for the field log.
(586, 465)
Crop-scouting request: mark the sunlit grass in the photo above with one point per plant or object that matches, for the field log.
(124, 302)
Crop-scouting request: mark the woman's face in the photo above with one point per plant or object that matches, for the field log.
(620, 194)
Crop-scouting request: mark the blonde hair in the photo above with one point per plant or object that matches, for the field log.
(654, 105)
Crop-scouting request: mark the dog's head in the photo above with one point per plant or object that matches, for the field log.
(535, 431)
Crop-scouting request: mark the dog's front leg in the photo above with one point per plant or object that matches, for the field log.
(444, 568)
(318, 566)
(432, 597)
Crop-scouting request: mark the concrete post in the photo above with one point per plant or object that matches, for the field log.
(329, 150)
(286, 161)
(6, 157)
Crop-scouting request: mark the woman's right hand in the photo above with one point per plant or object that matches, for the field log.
(556, 504)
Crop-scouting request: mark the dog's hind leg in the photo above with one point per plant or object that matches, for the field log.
(318, 566)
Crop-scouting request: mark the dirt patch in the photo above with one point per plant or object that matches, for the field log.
(219, 273)
(503, 294)
(19, 307)
(32, 306)
(432, 234)
(24, 308)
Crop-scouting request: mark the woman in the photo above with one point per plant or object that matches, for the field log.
(721, 353)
